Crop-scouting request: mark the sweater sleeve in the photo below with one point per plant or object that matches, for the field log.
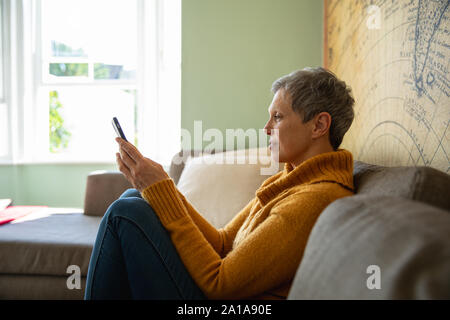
(220, 239)
(266, 258)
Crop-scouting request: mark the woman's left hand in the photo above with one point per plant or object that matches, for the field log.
(140, 171)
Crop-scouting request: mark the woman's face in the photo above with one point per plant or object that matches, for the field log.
(294, 137)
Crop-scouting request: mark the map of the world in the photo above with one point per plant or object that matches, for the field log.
(395, 55)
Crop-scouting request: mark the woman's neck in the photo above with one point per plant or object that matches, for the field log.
(313, 150)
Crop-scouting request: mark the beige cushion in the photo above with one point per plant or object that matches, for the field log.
(220, 190)
(179, 160)
(408, 240)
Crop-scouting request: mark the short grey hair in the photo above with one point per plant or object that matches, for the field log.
(316, 90)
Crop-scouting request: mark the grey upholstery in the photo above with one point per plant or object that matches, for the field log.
(47, 245)
(38, 287)
(408, 240)
(35, 250)
(423, 184)
(102, 188)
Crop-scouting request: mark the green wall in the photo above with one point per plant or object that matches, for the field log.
(232, 51)
(61, 185)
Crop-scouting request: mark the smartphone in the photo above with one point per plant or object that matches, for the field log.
(118, 128)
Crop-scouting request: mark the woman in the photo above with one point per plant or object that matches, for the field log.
(152, 244)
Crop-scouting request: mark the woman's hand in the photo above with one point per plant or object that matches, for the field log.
(139, 170)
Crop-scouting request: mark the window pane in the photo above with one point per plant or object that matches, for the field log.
(62, 50)
(110, 71)
(103, 32)
(69, 69)
(80, 120)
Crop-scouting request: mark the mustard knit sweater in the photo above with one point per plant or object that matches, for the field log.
(256, 255)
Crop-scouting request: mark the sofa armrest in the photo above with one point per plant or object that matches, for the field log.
(102, 189)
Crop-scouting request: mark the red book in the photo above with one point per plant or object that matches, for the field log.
(15, 212)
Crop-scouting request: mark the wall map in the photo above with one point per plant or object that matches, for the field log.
(395, 55)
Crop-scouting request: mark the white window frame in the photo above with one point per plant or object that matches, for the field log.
(4, 121)
(9, 79)
(159, 73)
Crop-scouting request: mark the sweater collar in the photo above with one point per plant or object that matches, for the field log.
(335, 166)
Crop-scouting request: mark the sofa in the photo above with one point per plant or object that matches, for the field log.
(391, 240)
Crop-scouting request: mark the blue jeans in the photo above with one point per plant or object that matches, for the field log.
(133, 256)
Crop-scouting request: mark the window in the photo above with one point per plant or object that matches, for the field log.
(86, 61)
(4, 128)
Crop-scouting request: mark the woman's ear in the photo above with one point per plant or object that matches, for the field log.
(322, 123)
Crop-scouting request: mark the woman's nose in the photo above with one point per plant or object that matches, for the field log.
(267, 128)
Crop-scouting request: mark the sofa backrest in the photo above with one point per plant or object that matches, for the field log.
(376, 247)
(424, 184)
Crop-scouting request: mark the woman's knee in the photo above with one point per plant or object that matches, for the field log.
(135, 209)
(131, 192)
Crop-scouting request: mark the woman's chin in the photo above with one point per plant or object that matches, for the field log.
(275, 155)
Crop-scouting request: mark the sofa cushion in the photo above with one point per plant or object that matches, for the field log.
(38, 287)
(220, 185)
(179, 161)
(423, 184)
(408, 241)
(47, 243)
